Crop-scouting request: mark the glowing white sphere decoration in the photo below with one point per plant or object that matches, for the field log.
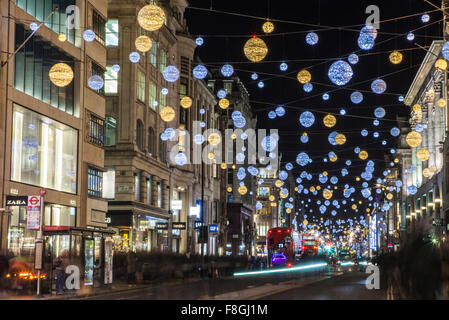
(307, 119)
(200, 71)
(88, 35)
(312, 38)
(280, 111)
(227, 70)
(221, 94)
(272, 115)
(410, 36)
(304, 138)
(170, 73)
(378, 86)
(331, 138)
(364, 133)
(268, 143)
(308, 87)
(260, 84)
(181, 159)
(425, 18)
(198, 139)
(34, 26)
(379, 112)
(369, 30)
(365, 41)
(353, 58)
(445, 50)
(303, 159)
(199, 41)
(254, 76)
(283, 66)
(340, 73)
(326, 96)
(116, 68)
(240, 122)
(164, 91)
(134, 57)
(342, 112)
(96, 82)
(356, 97)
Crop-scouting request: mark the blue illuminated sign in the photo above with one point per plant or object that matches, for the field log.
(213, 228)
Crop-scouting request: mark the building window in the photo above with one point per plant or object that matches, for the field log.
(183, 87)
(110, 131)
(110, 81)
(44, 151)
(99, 27)
(150, 141)
(94, 182)
(32, 64)
(152, 94)
(159, 195)
(211, 84)
(185, 65)
(139, 134)
(41, 9)
(162, 100)
(96, 69)
(149, 189)
(227, 87)
(96, 130)
(112, 33)
(109, 183)
(137, 185)
(140, 86)
(153, 54)
(161, 150)
(58, 215)
(162, 59)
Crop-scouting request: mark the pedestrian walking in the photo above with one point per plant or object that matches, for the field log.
(59, 272)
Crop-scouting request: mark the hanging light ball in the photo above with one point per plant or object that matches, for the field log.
(425, 18)
(96, 82)
(312, 38)
(304, 76)
(308, 87)
(143, 43)
(223, 103)
(363, 155)
(280, 111)
(116, 68)
(214, 139)
(340, 139)
(283, 66)
(417, 108)
(413, 139)
(441, 103)
(221, 94)
(353, 58)
(379, 112)
(167, 113)
(255, 49)
(170, 73)
(227, 70)
(327, 194)
(426, 172)
(181, 159)
(326, 96)
(378, 86)
(62, 37)
(423, 154)
(88, 35)
(396, 57)
(410, 36)
(329, 121)
(441, 64)
(34, 26)
(134, 57)
(307, 119)
(242, 190)
(401, 98)
(304, 138)
(151, 17)
(369, 30)
(261, 84)
(272, 115)
(356, 97)
(200, 71)
(164, 91)
(61, 75)
(365, 41)
(445, 50)
(395, 131)
(340, 73)
(186, 102)
(254, 76)
(199, 41)
(268, 27)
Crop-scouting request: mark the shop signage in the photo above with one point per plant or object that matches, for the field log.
(198, 224)
(176, 204)
(15, 201)
(213, 228)
(178, 225)
(161, 225)
(195, 211)
(56, 228)
(34, 213)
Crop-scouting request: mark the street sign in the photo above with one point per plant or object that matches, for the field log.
(178, 225)
(15, 201)
(34, 213)
(38, 254)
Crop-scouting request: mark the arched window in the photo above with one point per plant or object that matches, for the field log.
(150, 141)
(139, 134)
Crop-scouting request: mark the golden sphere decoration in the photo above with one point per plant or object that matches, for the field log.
(325, 173)
(367, 210)
(327, 194)
(413, 139)
(233, 166)
(283, 195)
(229, 189)
(62, 37)
(329, 121)
(305, 222)
(433, 169)
(268, 27)
(334, 158)
(312, 189)
(214, 139)
(186, 102)
(304, 76)
(416, 108)
(357, 178)
(61, 75)
(242, 190)
(233, 136)
(423, 154)
(223, 165)
(318, 188)
(143, 43)
(288, 210)
(396, 57)
(389, 196)
(396, 160)
(211, 155)
(255, 49)
(151, 17)
(167, 113)
(296, 189)
(354, 206)
(442, 103)
(271, 198)
(273, 204)
(426, 172)
(363, 155)
(340, 139)
(223, 103)
(278, 183)
(441, 64)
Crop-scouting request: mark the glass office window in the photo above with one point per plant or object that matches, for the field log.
(162, 59)
(152, 94)
(153, 54)
(183, 87)
(137, 185)
(98, 70)
(32, 64)
(141, 86)
(58, 215)
(139, 134)
(99, 27)
(150, 141)
(110, 81)
(162, 100)
(96, 130)
(110, 131)
(109, 183)
(44, 151)
(149, 189)
(159, 195)
(94, 182)
(112, 35)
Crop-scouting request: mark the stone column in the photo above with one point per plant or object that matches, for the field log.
(154, 181)
(143, 186)
(165, 194)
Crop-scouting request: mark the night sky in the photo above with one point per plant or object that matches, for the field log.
(225, 35)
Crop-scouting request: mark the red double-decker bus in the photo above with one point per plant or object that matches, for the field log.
(281, 247)
(309, 245)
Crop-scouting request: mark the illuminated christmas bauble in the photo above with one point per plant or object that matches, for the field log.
(279, 183)
(340, 73)
(423, 154)
(396, 57)
(229, 189)
(223, 165)
(304, 76)
(211, 155)
(167, 113)
(200, 71)
(255, 49)
(340, 139)
(143, 43)
(242, 190)
(280, 111)
(62, 37)
(223, 103)
(413, 139)
(151, 17)
(425, 18)
(283, 193)
(170, 73)
(227, 70)
(365, 41)
(214, 139)
(308, 87)
(410, 36)
(186, 102)
(363, 155)
(95, 82)
(441, 64)
(356, 97)
(89, 35)
(271, 198)
(134, 57)
(116, 68)
(417, 108)
(283, 66)
(334, 158)
(307, 119)
(327, 194)
(34, 26)
(353, 58)
(379, 86)
(379, 112)
(441, 103)
(426, 172)
(199, 41)
(268, 27)
(61, 75)
(331, 138)
(329, 121)
(303, 159)
(181, 159)
(395, 132)
(370, 30)
(312, 38)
